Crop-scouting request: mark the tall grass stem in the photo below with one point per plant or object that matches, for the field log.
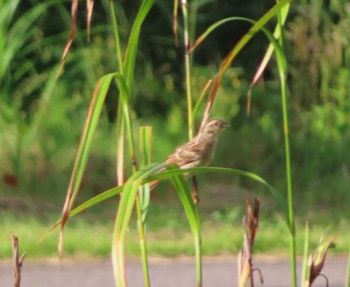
(187, 44)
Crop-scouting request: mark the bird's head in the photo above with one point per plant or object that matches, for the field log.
(214, 126)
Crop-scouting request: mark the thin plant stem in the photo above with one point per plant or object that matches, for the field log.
(187, 44)
(116, 37)
(289, 185)
(291, 223)
(143, 247)
(138, 204)
(120, 118)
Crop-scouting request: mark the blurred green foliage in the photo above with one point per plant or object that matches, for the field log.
(41, 117)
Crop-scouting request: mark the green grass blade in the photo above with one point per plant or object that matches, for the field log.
(124, 100)
(120, 146)
(126, 205)
(130, 56)
(187, 44)
(192, 214)
(81, 158)
(96, 200)
(145, 148)
(86, 205)
(90, 126)
(145, 144)
(116, 36)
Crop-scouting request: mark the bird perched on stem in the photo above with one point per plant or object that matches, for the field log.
(200, 150)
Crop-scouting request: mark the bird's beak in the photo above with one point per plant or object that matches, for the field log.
(225, 125)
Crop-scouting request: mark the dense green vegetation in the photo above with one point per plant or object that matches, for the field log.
(41, 118)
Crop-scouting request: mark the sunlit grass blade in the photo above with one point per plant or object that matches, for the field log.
(124, 101)
(192, 214)
(143, 200)
(126, 204)
(187, 45)
(116, 36)
(120, 147)
(81, 159)
(130, 56)
(145, 148)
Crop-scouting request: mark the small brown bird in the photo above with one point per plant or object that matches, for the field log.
(200, 150)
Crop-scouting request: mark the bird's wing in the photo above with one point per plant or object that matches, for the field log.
(185, 156)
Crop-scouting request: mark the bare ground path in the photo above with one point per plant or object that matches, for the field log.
(217, 272)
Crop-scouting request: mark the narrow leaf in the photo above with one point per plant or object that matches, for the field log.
(185, 196)
(130, 56)
(145, 147)
(262, 66)
(81, 158)
(126, 204)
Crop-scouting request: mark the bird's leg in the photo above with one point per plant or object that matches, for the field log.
(195, 194)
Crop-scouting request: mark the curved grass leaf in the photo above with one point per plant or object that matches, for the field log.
(279, 197)
(145, 148)
(169, 173)
(86, 205)
(144, 196)
(262, 66)
(192, 214)
(125, 107)
(130, 56)
(258, 25)
(252, 31)
(81, 159)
